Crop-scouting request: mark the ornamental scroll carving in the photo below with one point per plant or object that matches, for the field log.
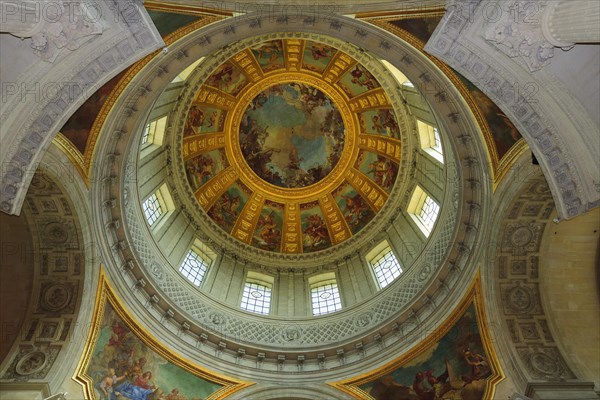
(52, 26)
(518, 33)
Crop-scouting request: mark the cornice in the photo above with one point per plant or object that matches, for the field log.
(559, 132)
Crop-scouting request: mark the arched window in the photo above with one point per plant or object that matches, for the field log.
(195, 265)
(152, 208)
(423, 210)
(154, 131)
(157, 205)
(324, 294)
(257, 293)
(384, 263)
(431, 142)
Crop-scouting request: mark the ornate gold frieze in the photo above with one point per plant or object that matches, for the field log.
(246, 61)
(336, 223)
(292, 229)
(384, 145)
(257, 138)
(373, 194)
(246, 223)
(374, 98)
(215, 97)
(338, 66)
(201, 143)
(208, 193)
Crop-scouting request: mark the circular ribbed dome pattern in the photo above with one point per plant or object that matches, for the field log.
(291, 146)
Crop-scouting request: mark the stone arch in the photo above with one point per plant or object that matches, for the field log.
(37, 102)
(53, 330)
(552, 120)
(534, 357)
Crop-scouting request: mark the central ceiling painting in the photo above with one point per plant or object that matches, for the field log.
(291, 146)
(292, 135)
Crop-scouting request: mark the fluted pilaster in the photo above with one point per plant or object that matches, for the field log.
(22, 18)
(574, 21)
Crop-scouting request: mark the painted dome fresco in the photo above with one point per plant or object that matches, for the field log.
(291, 146)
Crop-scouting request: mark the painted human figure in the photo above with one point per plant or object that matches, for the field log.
(320, 51)
(479, 365)
(267, 228)
(141, 388)
(362, 78)
(316, 231)
(383, 172)
(107, 383)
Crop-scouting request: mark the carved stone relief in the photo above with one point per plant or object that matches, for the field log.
(545, 363)
(518, 33)
(474, 38)
(58, 279)
(518, 285)
(29, 123)
(31, 363)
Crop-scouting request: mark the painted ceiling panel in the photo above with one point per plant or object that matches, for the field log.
(286, 118)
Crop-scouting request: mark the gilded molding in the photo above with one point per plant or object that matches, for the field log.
(473, 296)
(90, 146)
(74, 156)
(186, 9)
(106, 294)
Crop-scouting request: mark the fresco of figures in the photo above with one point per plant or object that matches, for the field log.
(379, 122)
(378, 168)
(357, 80)
(454, 367)
(317, 56)
(228, 207)
(315, 235)
(123, 367)
(503, 131)
(269, 55)
(355, 209)
(203, 167)
(267, 234)
(292, 135)
(228, 78)
(288, 140)
(204, 119)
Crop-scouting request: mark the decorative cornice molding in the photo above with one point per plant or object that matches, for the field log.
(558, 131)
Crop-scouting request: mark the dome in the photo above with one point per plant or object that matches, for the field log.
(291, 146)
(298, 183)
(298, 201)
